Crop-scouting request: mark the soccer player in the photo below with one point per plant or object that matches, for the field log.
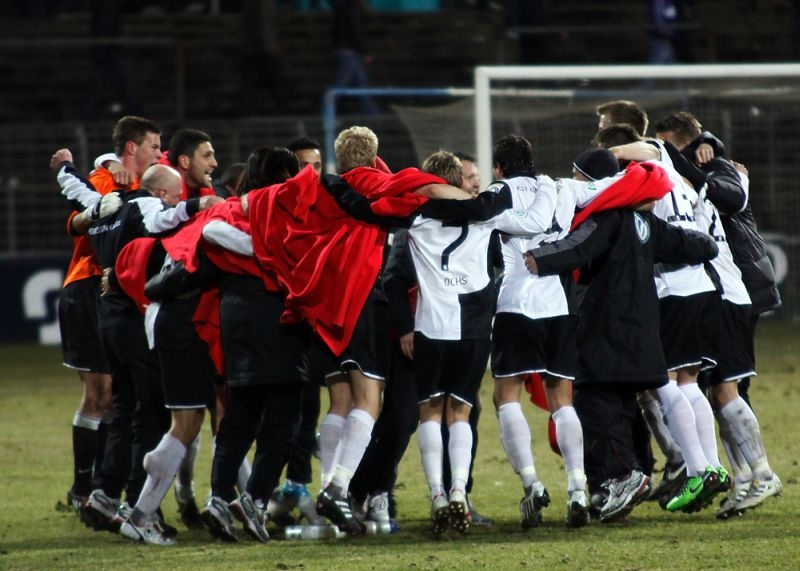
(534, 332)
(690, 324)
(137, 143)
(453, 320)
(294, 492)
(754, 480)
(618, 340)
(140, 417)
(264, 359)
(376, 474)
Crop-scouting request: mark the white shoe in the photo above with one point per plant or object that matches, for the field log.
(736, 494)
(149, 533)
(759, 491)
(252, 515)
(218, 519)
(378, 508)
(440, 515)
(577, 509)
(623, 495)
(460, 518)
(100, 511)
(530, 507)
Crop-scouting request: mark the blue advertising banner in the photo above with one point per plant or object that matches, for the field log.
(30, 286)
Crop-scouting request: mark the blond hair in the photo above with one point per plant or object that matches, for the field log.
(446, 165)
(355, 147)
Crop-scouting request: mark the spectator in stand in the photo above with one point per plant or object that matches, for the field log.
(108, 62)
(262, 66)
(350, 48)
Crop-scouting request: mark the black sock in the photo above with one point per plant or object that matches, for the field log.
(84, 450)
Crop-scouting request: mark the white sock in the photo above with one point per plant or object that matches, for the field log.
(161, 465)
(654, 417)
(739, 466)
(459, 448)
(515, 434)
(747, 434)
(355, 439)
(87, 422)
(186, 471)
(431, 448)
(680, 421)
(330, 439)
(243, 475)
(704, 421)
(569, 434)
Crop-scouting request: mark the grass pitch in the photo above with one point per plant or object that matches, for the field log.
(38, 398)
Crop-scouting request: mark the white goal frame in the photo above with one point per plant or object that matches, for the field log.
(542, 76)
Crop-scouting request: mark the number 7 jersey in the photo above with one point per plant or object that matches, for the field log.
(456, 290)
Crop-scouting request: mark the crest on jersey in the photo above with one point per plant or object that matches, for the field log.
(495, 187)
(642, 227)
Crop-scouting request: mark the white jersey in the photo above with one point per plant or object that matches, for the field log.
(677, 208)
(707, 217)
(531, 295)
(456, 293)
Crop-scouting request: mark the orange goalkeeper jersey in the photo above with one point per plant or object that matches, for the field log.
(83, 264)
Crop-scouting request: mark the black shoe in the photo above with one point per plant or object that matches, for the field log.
(334, 505)
(168, 530)
(190, 515)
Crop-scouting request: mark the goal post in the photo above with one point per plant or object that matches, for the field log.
(544, 76)
(753, 108)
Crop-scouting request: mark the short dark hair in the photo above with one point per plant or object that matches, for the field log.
(303, 143)
(513, 154)
(267, 166)
(132, 128)
(462, 156)
(185, 142)
(231, 174)
(623, 111)
(613, 135)
(682, 124)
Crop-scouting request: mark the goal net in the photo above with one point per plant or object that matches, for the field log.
(753, 109)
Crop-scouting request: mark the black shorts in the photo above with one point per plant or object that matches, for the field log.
(521, 345)
(188, 374)
(736, 351)
(77, 319)
(690, 329)
(322, 363)
(449, 368)
(368, 349)
(258, 348)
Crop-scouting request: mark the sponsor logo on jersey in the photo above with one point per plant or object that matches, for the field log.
(456, 281)
(520, 212)
(642, 227)
(104, 228)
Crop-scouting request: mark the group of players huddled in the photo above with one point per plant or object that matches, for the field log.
(625, 297)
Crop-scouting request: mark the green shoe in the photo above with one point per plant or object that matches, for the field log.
(688, 493)
(724, 479)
